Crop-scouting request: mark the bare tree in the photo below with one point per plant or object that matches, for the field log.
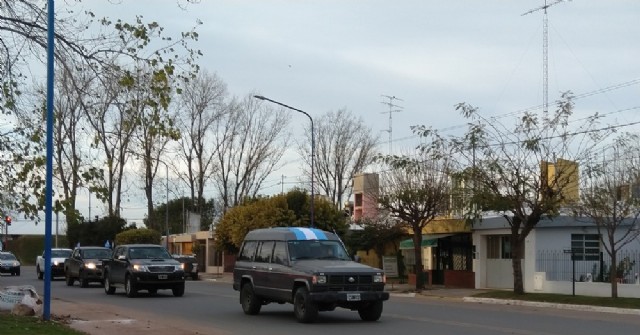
(415, 190)
(344, 146)
(250, 141)
(202, 104)
(527, 171)
(609, 200)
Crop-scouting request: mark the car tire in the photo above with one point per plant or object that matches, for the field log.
(130, 287)
(108, 289)
(18, 273)
(305, 310)
(195, 276)
(251, 303)
(178, 290)
(84, 282)
(153, 291)
(40, 274)
(372, 312)
(68, 279)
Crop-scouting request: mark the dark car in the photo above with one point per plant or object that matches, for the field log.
(189, 264)
(85, 265)
(136, 267)
(309, 268)
(9, 263)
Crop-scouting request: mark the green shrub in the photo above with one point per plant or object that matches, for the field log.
(143, 236)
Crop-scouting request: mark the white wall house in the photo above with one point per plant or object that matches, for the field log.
(548, 265)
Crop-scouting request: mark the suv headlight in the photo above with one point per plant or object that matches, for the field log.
(180, 267)
(378, 278)
(319, 279)
(140, 268)
(91, 266)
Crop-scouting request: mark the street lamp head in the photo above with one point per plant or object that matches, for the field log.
(259, 97)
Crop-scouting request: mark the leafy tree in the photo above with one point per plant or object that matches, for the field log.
(416, 189)
(278, 211)
(143, 236)
(525, 171)
(376, 234)
(95, 233)
(609, 198)
(344, 146)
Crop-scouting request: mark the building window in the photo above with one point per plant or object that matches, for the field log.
(499, 247)
(586, 247)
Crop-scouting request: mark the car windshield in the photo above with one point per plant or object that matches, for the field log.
(60, 253)
(317, 250)
(148, 252)
(96, 253)
(8, 257)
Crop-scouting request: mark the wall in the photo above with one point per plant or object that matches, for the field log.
(592, 289)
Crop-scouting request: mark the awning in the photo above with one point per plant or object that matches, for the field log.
(428, 240)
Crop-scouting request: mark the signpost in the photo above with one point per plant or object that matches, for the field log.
(573, 274)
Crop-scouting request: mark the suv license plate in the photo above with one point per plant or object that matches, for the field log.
(353, 296)
(162, 276)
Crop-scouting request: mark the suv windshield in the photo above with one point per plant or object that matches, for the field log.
(61, 253)
(314, 249)
(148, 253)
(96, 253)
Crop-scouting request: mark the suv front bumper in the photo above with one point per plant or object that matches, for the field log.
(346, 296)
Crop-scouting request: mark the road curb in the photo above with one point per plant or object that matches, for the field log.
(585, 308)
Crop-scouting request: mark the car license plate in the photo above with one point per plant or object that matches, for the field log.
(162, 276)
(353, 296)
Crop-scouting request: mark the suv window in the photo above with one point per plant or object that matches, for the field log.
(248, 251)
(280, 253)
(314, 249)
(264, 252)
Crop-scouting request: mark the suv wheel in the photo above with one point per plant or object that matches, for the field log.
(40, 274)
(130, 287)
(108, 289)
(84, 281)
(372, 312)
(68, 279)
(178, 290)
(306, 310)
(251, 304)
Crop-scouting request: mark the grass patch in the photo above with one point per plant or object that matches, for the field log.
(30, 325)
(633, 303)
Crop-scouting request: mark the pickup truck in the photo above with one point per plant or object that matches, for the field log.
(136, 267)
(85, 265)
(58, 255)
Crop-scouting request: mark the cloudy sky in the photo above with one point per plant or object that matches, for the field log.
(320, 56)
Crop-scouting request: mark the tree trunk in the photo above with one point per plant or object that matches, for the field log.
(516, 262)
(419, 269)
(613, 274)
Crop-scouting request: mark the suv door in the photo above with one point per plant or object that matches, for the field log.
(280, 272)
(118, 266)
(262, 269)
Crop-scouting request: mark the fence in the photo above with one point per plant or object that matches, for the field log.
(559, 266)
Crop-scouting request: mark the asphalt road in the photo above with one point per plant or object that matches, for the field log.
(214, 306)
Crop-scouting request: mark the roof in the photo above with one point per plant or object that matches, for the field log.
(290, 233)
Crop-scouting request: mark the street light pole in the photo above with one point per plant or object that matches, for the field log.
(313, 148)
(166, 213)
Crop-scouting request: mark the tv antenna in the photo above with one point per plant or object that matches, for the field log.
(545, 51)
(393, 108)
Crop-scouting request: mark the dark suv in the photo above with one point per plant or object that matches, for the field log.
(309, 268)
(142, 267)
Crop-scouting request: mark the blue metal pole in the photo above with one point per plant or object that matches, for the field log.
(46, 312)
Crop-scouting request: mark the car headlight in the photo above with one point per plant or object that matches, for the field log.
(379, 278)
(16, 264)
(56, 263)
(140, 268)
(181, 267)
(91, 266)
(319, 279)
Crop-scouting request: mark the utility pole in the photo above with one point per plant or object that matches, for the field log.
(545, 51)
(392, 109)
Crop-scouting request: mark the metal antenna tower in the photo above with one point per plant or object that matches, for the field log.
(545, 51)
(393, 108)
